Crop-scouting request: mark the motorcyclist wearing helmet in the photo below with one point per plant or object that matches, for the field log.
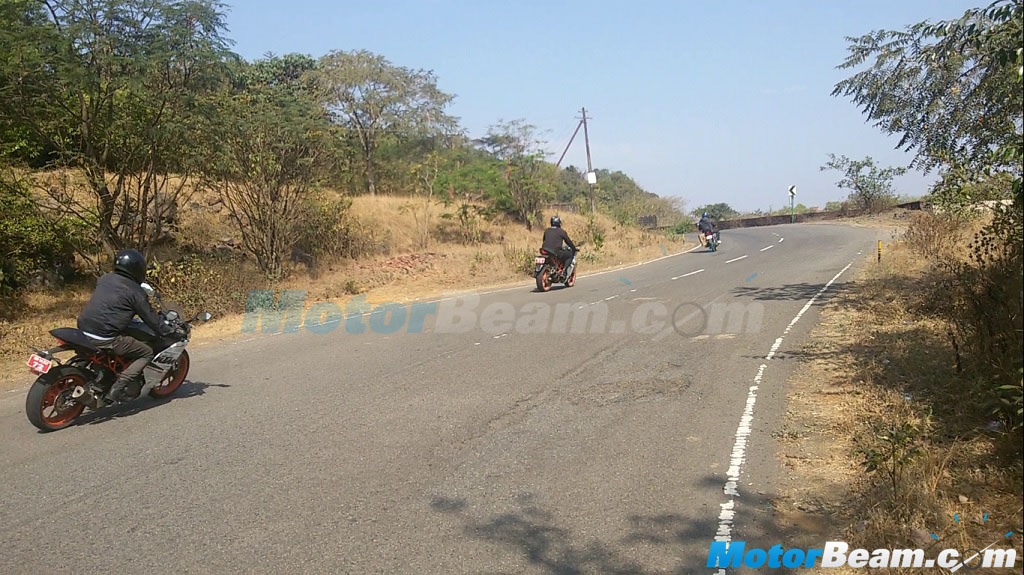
(118, 298)
(706, 225)
(554, 237)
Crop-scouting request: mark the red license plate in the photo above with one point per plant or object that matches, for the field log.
(539, 260)
(39, 365)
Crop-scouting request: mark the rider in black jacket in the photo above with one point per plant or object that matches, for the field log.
(553, 239)
(118, 298)
(706, 225)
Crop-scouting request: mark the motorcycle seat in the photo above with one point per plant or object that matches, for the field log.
(74, 337)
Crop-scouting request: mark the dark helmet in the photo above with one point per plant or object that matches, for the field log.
(556, 222)
(131, 262)
(704, 216)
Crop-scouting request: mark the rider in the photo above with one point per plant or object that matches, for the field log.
(553, 239)
(117, 299)
(706, 225)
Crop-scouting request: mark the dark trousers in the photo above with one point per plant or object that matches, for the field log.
(131, 349)
(565, 256)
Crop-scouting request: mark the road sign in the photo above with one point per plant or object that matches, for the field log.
(792, 191)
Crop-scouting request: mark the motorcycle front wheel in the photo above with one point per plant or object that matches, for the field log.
(173, 379)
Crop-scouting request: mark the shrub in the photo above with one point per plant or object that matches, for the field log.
(214, 284)
(519, 260)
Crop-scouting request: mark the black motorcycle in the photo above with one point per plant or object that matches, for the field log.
(65, 388)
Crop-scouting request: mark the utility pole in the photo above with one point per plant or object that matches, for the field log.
(591, 176)
(566, 150)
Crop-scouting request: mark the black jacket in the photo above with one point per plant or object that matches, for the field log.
(553, 238)
(705, 225)
(117, 299)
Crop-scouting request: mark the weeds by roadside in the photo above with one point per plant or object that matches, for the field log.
(888, 438)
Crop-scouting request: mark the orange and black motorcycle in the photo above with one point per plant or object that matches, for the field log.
(64, 389)
(549, 269)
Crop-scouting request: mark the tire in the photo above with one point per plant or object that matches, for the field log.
(572, 279)
(544, 279)
(50, 391)
(173, 380)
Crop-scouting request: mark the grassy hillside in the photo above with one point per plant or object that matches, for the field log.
(210, 272)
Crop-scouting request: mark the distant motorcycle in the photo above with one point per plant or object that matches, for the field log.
(550, 270)
(64, 389)
(711, 240)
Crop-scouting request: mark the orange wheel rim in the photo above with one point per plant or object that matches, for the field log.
(173, 380)
(56, 408)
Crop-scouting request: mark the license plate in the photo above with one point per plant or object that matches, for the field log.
(39, 365)
(539, 260)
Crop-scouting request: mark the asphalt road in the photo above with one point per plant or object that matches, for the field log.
(507, 443)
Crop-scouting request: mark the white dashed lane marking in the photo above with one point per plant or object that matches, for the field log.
(689, 274)
(766, 248)
(735, 259)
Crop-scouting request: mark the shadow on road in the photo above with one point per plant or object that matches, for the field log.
(788, 292)
(547, 546)
(557, 287)
(187, 390)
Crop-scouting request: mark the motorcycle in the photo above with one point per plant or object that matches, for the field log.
(711, 240)
(549, 270)
(64, 389)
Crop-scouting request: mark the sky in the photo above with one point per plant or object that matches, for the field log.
(711, 101)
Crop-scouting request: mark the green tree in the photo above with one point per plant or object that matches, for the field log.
(870, 187)
(372, 100)
(528, 177)
(951, 91)
(274, 142)
(114, 91)
(719, 211)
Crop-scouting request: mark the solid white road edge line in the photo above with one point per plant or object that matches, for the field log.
(727, 514)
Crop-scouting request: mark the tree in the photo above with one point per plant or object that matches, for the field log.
(870, 187)
(274, 141)
(951, 91)
(369, 97)
(114, 92)
(719, 211)
(515, 143)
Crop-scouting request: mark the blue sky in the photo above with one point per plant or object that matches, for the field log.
(709, 101)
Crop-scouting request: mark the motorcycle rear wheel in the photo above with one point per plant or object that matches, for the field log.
(49, 406)
(544, 279)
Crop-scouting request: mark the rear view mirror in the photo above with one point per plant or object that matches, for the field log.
(206, 316)
(172, 315)
(147, 288)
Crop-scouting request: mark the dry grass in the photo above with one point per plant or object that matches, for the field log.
(400, 272)
(874, 360)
